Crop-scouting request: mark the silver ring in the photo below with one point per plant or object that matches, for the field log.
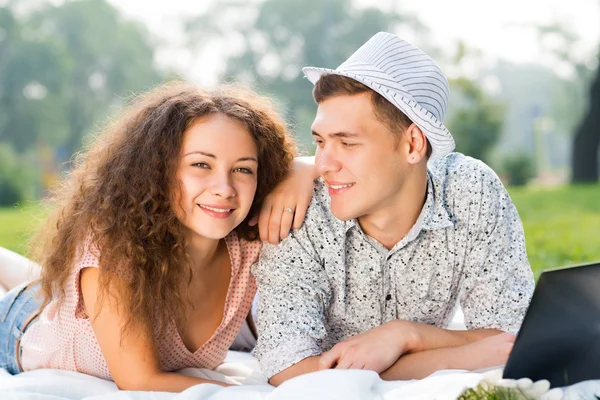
(288, 209)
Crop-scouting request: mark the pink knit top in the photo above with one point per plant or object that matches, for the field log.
(63, 337)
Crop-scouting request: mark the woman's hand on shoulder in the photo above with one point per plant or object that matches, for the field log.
(285, 207)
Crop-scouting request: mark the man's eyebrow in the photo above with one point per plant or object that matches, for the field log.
(213, 156)
(338, 134)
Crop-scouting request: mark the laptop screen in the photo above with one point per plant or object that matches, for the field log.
(559, 339)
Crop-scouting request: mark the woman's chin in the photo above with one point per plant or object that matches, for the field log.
(214, 229)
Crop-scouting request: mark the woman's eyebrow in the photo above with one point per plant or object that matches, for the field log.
(250, 158)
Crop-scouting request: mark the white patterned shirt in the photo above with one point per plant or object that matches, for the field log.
(329, 281)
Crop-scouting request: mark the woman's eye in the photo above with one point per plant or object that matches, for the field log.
(201, 165)
(243, 170)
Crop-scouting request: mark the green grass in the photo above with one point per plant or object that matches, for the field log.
(491, 392)
(562, 225)
(16, 225)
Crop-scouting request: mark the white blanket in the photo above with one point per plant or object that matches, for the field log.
(239, 368)
(243, 369)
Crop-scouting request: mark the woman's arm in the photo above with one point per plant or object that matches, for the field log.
(132, 359)
(293, 193)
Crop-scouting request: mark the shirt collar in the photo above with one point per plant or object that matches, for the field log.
(433, 214)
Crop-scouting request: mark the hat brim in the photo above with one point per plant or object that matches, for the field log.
(440, 138)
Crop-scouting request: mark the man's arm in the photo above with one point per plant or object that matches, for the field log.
(498, 282)
(381, 347)
(489, 352)
(430, 349)
(310, 364)
(430, 337)
(294, 293)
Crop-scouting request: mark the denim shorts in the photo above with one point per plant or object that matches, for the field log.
(17, 308)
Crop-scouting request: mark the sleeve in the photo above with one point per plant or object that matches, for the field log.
(89, 259)
(293, 294)
(499, 282)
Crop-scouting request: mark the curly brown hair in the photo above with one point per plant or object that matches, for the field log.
(119, 196)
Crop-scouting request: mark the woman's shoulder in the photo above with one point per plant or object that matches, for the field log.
(245, 249)
(242, 252)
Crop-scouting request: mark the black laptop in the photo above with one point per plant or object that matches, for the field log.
(560, 336)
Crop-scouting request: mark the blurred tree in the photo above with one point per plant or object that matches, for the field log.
(31, 75)
(278, 37)
(18, 178)
(586, 139)
(62, 68)
(108, 57)
(586, 143)
(10, 191)
(476, 121)
(519, 167)
(475, 118)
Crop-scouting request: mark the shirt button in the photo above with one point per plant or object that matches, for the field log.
(388, 297)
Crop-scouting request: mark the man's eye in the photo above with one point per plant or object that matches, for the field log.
(346, 144)
(318, 143)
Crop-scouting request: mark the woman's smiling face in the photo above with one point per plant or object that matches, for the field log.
(217, 173)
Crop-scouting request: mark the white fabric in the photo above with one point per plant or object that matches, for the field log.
(242, 368)
(239, 368)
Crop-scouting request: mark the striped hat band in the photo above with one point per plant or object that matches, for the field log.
(407, 77)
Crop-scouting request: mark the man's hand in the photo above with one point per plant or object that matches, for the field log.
(375, 350)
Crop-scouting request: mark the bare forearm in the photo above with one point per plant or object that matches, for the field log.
(165, 382)
(430, 337)
(421, 364)
(476, 334)
(307, 162)
(490, 351)
(310, 364)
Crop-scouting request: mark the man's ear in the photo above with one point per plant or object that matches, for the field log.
(417, 144)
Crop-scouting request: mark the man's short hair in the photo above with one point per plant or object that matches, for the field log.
(332, 85)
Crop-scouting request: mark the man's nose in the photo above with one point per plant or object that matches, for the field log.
(326, 160)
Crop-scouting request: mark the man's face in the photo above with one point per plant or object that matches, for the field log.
(361, 161)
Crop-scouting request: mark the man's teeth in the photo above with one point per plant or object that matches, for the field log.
(219, 210)
(337, 187)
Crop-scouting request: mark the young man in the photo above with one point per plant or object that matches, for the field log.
(398, 230)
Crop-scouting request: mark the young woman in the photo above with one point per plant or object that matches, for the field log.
(145, 263)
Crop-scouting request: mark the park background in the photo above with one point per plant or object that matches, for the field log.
(524, 79)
